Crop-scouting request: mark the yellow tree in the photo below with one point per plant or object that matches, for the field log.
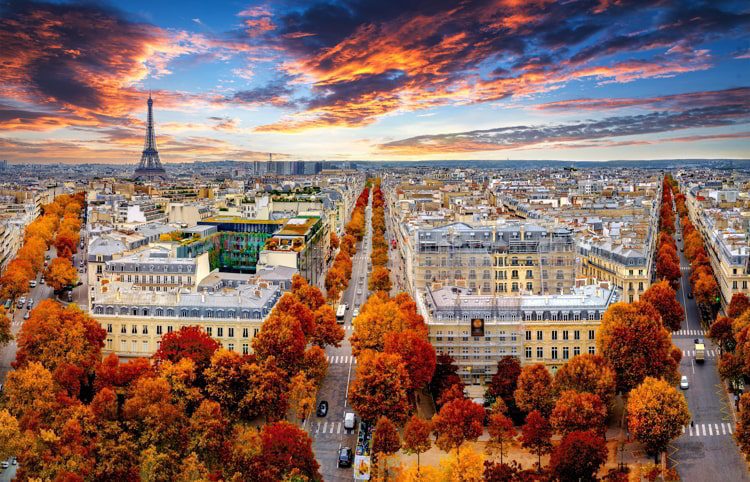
(534, 389)
(5, 332)
(301, 395)
(656, 414)
(380, 279)
(587, 373)
(11, 440)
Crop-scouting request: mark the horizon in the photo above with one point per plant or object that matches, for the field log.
(362, 81)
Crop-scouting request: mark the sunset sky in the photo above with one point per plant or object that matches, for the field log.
(375, 79)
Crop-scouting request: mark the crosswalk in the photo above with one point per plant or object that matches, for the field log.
(689, 333)
(327, 427)
(709, 353)
(708, 429)
(348, 328)
(684, 268)
(341, 359)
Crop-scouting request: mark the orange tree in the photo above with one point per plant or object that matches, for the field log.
(587, 373)
(656, 414)
(578, 412)
(60, 274)
(742, 429)
(536, 435)
(636, 345)
(458, 421)
(6, 335)
(662, 297)
(534, 389)
(385, 441)
(380, 388)
(380, 279)
(417, 437)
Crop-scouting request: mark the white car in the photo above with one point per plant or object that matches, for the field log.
(684, 383)
(355, 313)
(32, 283)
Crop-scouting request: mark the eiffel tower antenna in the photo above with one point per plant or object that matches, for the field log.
(150, 166)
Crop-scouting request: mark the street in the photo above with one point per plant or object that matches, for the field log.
(328, 433)
(705, 451)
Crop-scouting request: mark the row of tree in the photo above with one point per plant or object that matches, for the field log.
(59, 224)
(702, 279)
(187, 414)
(338, 276)
(667, 261)
(380, 277)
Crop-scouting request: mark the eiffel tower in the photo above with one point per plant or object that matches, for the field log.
(150, 166)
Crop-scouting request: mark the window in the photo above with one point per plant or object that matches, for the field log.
(539, 335)
(528, 352)
(231, 332)
(539, 352)
(220, 332)
(591, 350)
(245, 350)
(145, 330)
(566, 353)
(576, 350)
(529, 274)
(231, 347)
(554, 353)
(244, 333)
(123, 328)
(169, 329)
(565, 334)
(554, 334)
(209, 331)
(109, 327)
(255, 332)
(529, 286)
(577, 335)
(591, 334)
(134, 329)
(134, 346)
(145, 346)
(158, 329)
(528, 335)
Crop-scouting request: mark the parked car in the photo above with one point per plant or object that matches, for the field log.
(349, 421)
(355, 313)
(30, 303)
(41, 281)
(322, 408)
(4, 464)
(32, 283)
(684, 382)
(690, 294)
(26, 316)
(346, 457)
(8, 304)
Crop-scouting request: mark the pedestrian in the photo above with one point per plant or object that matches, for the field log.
(692, 423)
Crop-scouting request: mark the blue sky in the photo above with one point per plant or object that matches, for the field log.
(375, 79)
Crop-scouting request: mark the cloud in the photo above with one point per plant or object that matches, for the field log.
(449, 53)
(275, 93)
(584, 133)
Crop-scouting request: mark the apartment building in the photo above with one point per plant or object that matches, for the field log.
(723, 218)
(477, 330)
(155, 269)
(501, 259)
(135, 321)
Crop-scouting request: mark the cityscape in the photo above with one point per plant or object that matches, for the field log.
(337, 240)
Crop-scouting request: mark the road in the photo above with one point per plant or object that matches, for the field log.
(706, 451)
(328, 433)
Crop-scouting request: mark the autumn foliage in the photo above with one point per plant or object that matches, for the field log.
(656, 414)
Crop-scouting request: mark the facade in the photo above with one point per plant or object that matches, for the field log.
(135, 322)
(477, 330)
(302, 244)
(154, 269)
(500, 259)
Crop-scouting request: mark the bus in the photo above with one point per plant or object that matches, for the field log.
(340, 312)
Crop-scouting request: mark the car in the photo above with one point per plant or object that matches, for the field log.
(690, 295)
(26, 316)
(41, 281)
(82, 264)
(346, 457)
(47, 258)
(684, 382)
(359, 292)
(5, 464)
(22, 301)
(8, 304)
(349, 421)
(355, 313)
(70, 296)
(322, 409)
(30, 303)
(32, 283)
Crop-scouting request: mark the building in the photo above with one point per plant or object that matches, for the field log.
(302, 243)
(502, 259)
(477, 330)
(136, 321)
(154, 269)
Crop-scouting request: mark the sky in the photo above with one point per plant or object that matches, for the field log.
(375, 79)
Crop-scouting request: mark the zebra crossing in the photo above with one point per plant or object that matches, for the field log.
(708, 429)
(709, 353)
(341, 359)
(327, 428)
(684, 268)
(689, 333)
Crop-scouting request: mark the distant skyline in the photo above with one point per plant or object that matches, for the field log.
(375, 79)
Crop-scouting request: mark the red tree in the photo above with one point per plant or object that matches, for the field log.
(417, 353)
(579, 456)
(738, 305)
(287, 449)
(188, 342)
(536, 435)
(663, 298)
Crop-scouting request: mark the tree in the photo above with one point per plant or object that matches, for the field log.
(268, 392)
(459, 421)
(505, 380)
(663, 298)
(315, 364)
(417, 353)
(286, 448)
(60, 274)
(226, 380)
(731, 368)
(721, 331)
(6, 335)
(534, 390)
(587, 373)
(466, 468)
(380, 316)
(667, 264)
(502, 432)
(385, 441)
(706, 290)
(578, 412)
(301, 395)
(656, 414)
(15, 279)
(327, 331)
(281, 337)
(417, 437)
(380, 387)
(738, 305)
(11, 439)
(536, 435)
(151, 413)
(208, 431)
(380, 279)
(742, 429)
(334, 241)
(187, 342)
(635, 344)
(579, 456)
(66, 243)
